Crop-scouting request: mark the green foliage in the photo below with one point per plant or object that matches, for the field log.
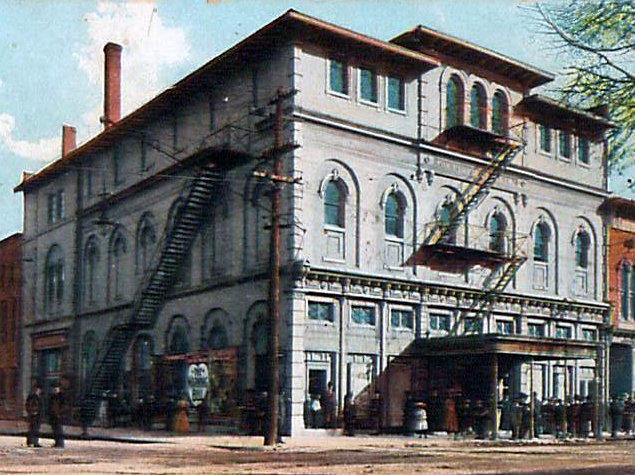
(598, 40)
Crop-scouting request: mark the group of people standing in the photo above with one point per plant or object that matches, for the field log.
(622, 414)
(458, 415)
(56, 411)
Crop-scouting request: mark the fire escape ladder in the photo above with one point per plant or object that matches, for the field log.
(171, 252)
(481, 182)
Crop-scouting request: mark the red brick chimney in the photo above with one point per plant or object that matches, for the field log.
(69, 139)
(112, 84)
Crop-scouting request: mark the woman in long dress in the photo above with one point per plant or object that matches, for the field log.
(181, 419)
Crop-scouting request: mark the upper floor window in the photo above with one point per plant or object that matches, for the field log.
(478, 107)
(323, 311)
(334, 204)
(402, 319)
(54, 278)
(396, 97)
(338, 76)
(445, 220)
(147, 238)
(90, 270)
(394, 216)
(453, 102)
(564, 144)
(116, 165)
(499, 113)
(627, 277)
(582, 244)
(504, 327)
(563, 332)
(536, 329)
(545, 138)
(589, 334)
(497, 227)
(440, 322)
(368, 85)
(55, 206)
(583, 151)
(118, 252)
(363, 315)
(541, 242)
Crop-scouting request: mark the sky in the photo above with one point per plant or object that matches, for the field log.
(51, 58)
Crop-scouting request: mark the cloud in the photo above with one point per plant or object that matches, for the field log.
(149, 47)
(42, 150)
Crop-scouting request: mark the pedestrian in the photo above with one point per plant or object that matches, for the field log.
(56, 410)
(182, 420)
(450, 418)
(350, 414)
(516, 416)
(203, 414)
(538, 423)
(329, 405)
(481, 419)
(525, 420)
(465, 415)
(560, 419)
(33, 408)
(616, 411)
(586, 417)
(506, 405)
(315, 407)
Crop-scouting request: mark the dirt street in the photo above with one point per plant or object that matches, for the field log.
(316, 455)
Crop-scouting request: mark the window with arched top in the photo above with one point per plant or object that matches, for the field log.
(541, 242)
(394, 216)
(334, 199)
(446, 221)
(626, 278)
(147, 239)
(118, 257)
(217, 338)
(497, 225)
(478, 107)
(453, 102)
(499, 113)
(582, 245)
(89, 354)
(91, 260)
(54, 278)
(178, 341)
(260, 342)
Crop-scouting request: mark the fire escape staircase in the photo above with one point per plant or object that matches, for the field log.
(470, 196)
(172, 250)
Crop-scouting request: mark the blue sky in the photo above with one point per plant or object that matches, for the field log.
(51, 70)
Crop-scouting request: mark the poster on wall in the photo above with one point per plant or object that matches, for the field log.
(197, 382)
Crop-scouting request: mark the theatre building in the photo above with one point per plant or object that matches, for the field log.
(441, 231)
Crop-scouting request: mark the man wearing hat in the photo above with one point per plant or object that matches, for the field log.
(56, 408)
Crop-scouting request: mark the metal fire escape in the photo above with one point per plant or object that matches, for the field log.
(503, 265)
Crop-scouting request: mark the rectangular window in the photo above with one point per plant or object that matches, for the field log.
(322, 311)
(338, 76)
(89, 186)
(545, 138)
(583, 151)
(563, 332)
(473, 324)
(368, 85)
(363, 315)
(565, 144)
(440, 322)
(55, 206)
(402, 319)
(589, 334)
(536, 329)
(504, 327)
(396, 94)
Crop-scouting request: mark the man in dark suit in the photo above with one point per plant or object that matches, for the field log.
(33, 408)
(57, 409)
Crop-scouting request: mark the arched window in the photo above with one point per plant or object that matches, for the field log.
(142, 354)
(626, 277)
(497, 232)
(582, 244)
(478, 107)
(54, 278)
(499, 113)
(91, 257)
(178, 345)
(334, 204)
(260, 342)
(445, 219)
(147, 239)
(89, 355)
(217, 337)
(454, 102)
(541, 242)
(178, 341)
(394, 215)
(118, 253)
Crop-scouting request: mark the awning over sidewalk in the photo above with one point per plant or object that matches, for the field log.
(495, 344)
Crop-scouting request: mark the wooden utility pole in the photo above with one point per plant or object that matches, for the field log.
(277, 179)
